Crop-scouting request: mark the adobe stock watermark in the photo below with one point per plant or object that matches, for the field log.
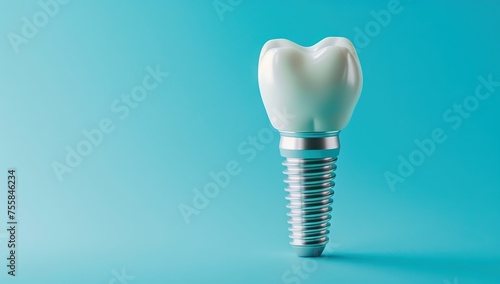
(380, 20)
(121, 108)
(31, 26)
(454, 117)
(121, 277)
(223, 6)
(301, 271)
(248, 150)
(455, 281)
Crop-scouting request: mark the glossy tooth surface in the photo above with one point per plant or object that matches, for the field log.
(317, 86)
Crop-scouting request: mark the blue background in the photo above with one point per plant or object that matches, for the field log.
(119, 209)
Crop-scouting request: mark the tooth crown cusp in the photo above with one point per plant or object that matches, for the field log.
(318, 85)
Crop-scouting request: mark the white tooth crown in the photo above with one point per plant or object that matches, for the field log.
(317, 85)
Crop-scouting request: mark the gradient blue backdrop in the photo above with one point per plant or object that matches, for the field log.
(119, 208)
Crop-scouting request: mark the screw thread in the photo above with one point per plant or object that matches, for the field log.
(310, 191)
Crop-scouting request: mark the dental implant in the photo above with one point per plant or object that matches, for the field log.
(319, 87)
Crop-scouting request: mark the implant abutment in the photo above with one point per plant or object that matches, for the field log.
(310, 168)
(309, 145)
